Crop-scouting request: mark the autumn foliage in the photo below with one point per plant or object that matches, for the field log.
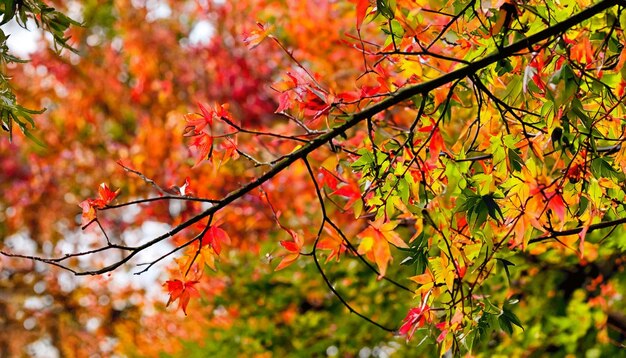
(328, 177)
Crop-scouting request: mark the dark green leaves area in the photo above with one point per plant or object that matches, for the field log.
(417, 254)
(507, 319)
(515, 161)
(479, 207)
(492, 320)
(602, 168)
(384, 9)
(12, 114)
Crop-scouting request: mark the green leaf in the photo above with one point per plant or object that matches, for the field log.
(515, 161)
(365, 161)
(506, 264)
(582, 205)
(503, 67)
(507, 319)
(383, 8)
(9, 11)
(601, 168)
(492, 207)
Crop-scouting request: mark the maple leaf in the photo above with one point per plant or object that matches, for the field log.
(361, 11)
(446, 327)
(105, 196)
(415, 318)
(351, 191)
(375, 241)
(204, 144)
(214, 237)
(328, 179)
(206, 256)
(285, 101)
(255, 37)
(443, 270)
(89, 213)
(89, 206)
(181, 291)
(229, 148)
(293, 247)
(556, 203)
(334, 243)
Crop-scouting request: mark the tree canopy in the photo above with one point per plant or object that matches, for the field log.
(417, 177)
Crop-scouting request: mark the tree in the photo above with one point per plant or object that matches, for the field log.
(466, 156)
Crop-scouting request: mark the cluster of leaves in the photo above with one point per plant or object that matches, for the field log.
(54, 22)
(479, 187)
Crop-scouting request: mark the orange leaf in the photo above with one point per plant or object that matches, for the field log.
(106, 195)
(333, 243)
(287, 260)
(375, 243)
(255, 37)
(89, 213)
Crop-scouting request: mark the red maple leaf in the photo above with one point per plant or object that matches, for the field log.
(182, 291)
(351, 191)
(204, 143)
(361, 11)
(556, 203)
(89, 206)
(293, 247)
(328, 179)
(415, 319)
(214, 237)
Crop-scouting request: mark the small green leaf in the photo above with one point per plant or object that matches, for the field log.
(9, 11)
(492, 207)
(515, 161)
(383, 8)
(506, 318)
(506, 264)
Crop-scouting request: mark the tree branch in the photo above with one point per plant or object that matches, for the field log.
(352, 120)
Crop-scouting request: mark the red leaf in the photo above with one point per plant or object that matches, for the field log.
(106, 195)
(435, 145)
(182, 292)
(361, 11)
(204, 143)
(293, 247)
(284, 102)
(89, 206)
(290, 246)
(413, 320)
(214, 237)
(351, 191)
(329, 179)
(556, 203)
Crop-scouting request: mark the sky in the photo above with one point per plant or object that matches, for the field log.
(21, 42)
